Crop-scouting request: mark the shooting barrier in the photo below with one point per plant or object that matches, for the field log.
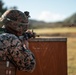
(50, 54)
(6, 68)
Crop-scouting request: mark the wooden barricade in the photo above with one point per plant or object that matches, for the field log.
(7, 68)
(51, 56)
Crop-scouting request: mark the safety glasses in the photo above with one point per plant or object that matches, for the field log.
(18, 23)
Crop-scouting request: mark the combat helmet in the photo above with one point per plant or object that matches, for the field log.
(15, 21)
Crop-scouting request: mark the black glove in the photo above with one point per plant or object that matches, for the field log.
(28, 35)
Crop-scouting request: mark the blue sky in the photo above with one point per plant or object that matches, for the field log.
(46, 10)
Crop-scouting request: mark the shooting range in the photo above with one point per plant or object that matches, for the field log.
(50, 54)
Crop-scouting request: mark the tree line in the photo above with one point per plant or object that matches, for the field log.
(3, 9)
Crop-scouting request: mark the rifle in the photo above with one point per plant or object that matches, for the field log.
(28, 34)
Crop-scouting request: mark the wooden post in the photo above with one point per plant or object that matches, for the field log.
(51, 56)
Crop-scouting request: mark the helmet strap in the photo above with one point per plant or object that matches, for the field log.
(10, 30)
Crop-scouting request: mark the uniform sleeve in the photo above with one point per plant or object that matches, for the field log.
(22, 58)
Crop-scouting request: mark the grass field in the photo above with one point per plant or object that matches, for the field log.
(65, 32)
(71, 47)
(70, 33)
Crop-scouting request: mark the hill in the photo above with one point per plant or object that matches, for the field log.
(71, 19)
(68, 22)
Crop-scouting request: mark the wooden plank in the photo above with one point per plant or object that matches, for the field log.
(51, 57)
(6, 68)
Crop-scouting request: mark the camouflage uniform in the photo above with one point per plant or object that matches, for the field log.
(12, 48)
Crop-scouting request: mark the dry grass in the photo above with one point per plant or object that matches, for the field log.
(71, 44)
(55, 30)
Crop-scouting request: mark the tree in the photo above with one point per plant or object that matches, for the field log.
(14, 7)
(2, 9)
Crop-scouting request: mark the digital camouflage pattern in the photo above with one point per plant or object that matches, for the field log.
(15, 21)
(11, 47)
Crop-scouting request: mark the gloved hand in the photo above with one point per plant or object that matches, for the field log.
(29, 34)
